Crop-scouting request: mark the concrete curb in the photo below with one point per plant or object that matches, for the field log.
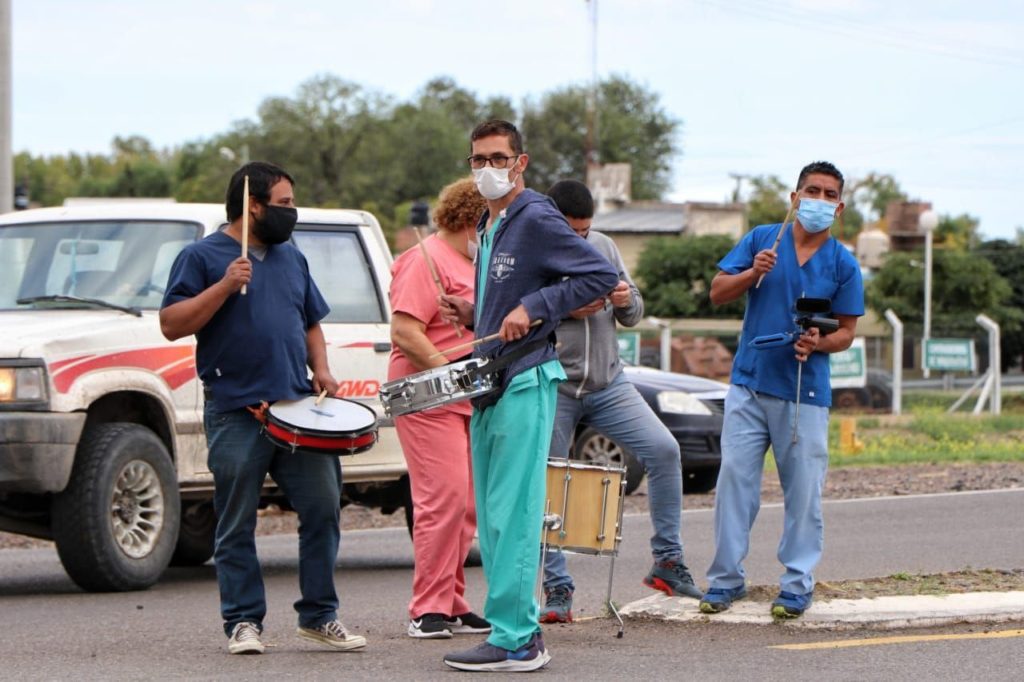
(881, 613)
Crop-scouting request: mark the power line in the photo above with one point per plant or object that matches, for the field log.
(871, 33)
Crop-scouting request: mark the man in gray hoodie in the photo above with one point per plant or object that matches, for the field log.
(597, 393)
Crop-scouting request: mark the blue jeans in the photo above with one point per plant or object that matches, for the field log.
(240, 459)
(753, 422)
(619, 412)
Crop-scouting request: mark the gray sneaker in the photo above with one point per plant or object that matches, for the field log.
(334, 635)
(486, 657)
(245, 639)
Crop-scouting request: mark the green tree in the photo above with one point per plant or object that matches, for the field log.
(1008, 260)
(959, 232)
(767, 201)
(963, 285)
(871, 194)
(633, 128)
(675, 273)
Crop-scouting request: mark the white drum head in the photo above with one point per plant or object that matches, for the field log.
(335, 415)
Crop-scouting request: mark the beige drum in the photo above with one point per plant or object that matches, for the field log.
(583, 510)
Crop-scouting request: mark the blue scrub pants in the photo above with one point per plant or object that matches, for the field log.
(620, 413)
(510, 451)
(753, 422)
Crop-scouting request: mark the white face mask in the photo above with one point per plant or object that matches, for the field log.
(493, 183)
(473, 249)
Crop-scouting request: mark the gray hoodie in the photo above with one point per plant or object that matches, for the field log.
(589, 349)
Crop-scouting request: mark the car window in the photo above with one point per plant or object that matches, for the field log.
(124, 262)
(340, 267)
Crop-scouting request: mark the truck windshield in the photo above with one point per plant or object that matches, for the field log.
(125, 263)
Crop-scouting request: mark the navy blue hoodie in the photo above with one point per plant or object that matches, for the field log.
(538, 261)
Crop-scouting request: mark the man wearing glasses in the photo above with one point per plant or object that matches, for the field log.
(531, 270)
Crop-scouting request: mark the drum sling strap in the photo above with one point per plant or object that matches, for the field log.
(493, 366)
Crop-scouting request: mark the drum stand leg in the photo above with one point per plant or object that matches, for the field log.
(608, 598)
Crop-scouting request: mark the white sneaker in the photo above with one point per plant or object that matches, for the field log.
(245, 639)
(334, 635)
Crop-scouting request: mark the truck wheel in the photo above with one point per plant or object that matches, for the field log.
(196, 534)
(593, 447)
(116, 524)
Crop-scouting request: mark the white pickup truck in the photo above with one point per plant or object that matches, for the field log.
(101, 439)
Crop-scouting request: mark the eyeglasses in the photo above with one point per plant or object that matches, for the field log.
(477, 161)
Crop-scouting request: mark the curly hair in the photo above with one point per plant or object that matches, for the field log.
(459, 206)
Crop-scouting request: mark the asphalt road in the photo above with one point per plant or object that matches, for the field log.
(50, 629)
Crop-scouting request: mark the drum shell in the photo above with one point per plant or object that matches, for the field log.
(588, 499)
(302, 438)
(434, 387)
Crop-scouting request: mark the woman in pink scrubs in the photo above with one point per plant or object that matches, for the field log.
(436, 441)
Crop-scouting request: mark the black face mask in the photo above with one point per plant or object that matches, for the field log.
(277, 224)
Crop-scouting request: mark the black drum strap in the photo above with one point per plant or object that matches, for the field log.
(493, 366)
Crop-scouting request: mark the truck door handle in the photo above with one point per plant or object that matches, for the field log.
(382, 346)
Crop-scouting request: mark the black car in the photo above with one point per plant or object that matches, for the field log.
(690, 406)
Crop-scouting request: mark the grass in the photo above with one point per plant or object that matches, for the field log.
(926, 433)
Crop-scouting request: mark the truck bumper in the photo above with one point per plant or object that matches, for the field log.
(37, 450)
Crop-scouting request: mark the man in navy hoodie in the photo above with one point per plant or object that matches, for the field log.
(532, 271)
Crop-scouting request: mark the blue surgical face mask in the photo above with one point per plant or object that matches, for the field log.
(816, 215)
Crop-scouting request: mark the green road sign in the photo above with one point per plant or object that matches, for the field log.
(629, 347)
(950, 355)
(848, 367)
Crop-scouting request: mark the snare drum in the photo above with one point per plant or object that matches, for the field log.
(334, 427)
(583, 511)
(435, 387)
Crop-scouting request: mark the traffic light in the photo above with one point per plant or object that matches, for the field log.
(419, 214)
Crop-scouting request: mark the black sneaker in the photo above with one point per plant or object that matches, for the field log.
(557, 605)
(468, 624)
(486, 657)
(430, 626)
(672, 578)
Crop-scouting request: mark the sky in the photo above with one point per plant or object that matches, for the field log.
(929, 91)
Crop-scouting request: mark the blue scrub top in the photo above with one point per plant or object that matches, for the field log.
(254, 346)
(831, 273)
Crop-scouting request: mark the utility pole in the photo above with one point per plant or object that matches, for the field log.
(6, 157)
(590, 151)
(739, 178)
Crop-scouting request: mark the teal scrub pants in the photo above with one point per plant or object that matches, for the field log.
(510, 442)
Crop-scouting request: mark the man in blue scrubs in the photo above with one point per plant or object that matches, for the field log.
(252, 348)
(762, 406)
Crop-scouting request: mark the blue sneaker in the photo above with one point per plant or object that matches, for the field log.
(485, 657)
(789, 605)
(718, 599)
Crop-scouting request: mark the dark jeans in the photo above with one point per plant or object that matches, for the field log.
(240, 459)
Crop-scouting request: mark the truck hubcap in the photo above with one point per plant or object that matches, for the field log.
(137, 509)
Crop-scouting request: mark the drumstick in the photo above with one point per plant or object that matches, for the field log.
(245, 223)
(778, 238)
(320, 398)
(473, 344)
(433, 273)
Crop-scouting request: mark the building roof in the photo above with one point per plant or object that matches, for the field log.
(642, 216)
(657, 216)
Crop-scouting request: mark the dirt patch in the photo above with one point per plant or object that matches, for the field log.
(905, 584)
(844, 483)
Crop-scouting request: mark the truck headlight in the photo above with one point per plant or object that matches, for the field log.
(22, 384)
(679, 402)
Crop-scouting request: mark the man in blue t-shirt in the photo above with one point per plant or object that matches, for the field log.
(249, 349)
(774, 265)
